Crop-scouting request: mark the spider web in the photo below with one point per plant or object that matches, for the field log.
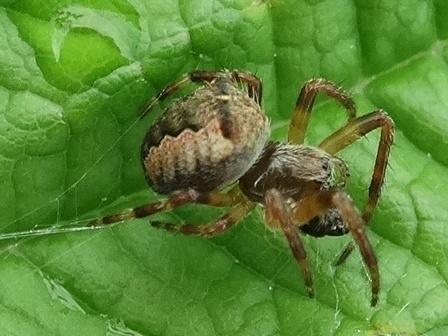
(71, 226)
(55, 289)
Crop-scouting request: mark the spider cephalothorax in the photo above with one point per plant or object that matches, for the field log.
(217, 136)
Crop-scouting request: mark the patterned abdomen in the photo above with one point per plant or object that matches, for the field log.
(207, 139)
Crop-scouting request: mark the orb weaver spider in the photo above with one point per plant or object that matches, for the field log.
(217, 136)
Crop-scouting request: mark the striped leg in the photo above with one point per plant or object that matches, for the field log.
(305, 102)
(348, 135)
(353, 219)
(318, 203)
(237, 213)
(176, 199)
(278, 215)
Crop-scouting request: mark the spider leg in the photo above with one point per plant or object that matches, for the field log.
(175, 200)
(316, 204)
(237, 213)
(252, 82)
(354, 221)
(278, 214)
(352, 132)
(254, 86)
(305, 102)
(348, 135)
(168, 90)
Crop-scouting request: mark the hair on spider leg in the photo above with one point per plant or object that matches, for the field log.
(339, 85)
(391, 167)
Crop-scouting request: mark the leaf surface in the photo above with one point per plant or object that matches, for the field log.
(73, 78)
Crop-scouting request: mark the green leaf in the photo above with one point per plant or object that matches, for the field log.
(73, 78)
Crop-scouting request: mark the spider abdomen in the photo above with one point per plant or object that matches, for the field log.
(208, 139)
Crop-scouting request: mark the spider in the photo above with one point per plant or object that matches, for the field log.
(212, 147)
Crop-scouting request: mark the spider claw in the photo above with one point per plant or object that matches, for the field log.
(310, 291)
(374, 300)
(348, 249)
